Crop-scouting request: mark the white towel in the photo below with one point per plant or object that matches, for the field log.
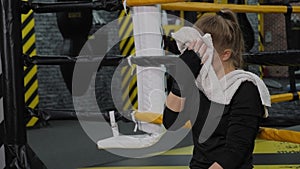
(219, 90)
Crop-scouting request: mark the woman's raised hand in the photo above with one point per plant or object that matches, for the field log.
(200, 48)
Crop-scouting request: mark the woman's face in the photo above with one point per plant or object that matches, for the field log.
(222, 62)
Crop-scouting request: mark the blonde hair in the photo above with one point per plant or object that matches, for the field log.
(225, 32)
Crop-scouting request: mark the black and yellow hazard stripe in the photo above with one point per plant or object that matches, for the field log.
(30, 73)
(129, 80)
(260, 31)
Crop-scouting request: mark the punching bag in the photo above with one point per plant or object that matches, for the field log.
(74, 27)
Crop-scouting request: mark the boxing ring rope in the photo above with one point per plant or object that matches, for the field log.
(50, 7)
(282, 58)
(148, 2)
(166, 5)
(264, 132)
(209, 7)
(279, 135)
(61, 60)
(273, 58)
(276, 98)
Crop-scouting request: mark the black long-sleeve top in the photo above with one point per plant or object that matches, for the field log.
(231, 144)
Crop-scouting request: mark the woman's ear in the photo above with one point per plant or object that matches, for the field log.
(226, 55)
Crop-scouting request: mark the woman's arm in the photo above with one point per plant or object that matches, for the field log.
(174, 105)
(176, 99)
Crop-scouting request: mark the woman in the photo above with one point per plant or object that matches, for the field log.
(230, 144)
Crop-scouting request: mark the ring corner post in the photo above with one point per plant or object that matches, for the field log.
(15, 141)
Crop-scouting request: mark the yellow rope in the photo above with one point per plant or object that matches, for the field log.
(212, 7)
(283, 97)
(264, 133)
(149, 2)
(149, 117)
(279, 135)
